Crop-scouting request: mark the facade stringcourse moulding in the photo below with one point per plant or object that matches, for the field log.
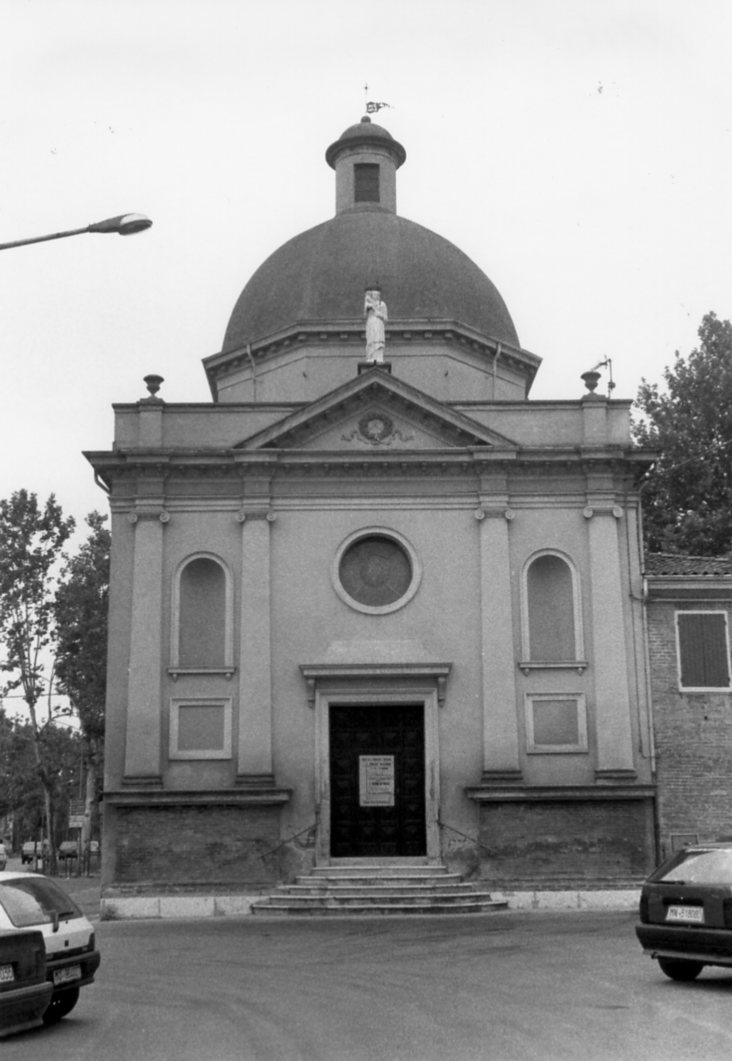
(490, 793)
(238, 797)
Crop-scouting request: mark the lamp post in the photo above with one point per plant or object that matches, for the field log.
(123, 224)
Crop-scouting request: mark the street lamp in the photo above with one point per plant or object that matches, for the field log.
(124, 224)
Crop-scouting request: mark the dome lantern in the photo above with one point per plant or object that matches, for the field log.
(365, 159)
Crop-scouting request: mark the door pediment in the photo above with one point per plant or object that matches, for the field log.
(376, 411)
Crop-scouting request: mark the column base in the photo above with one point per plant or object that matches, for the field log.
(620, 776)
(255, 780)
(501, 777)
(142, 781)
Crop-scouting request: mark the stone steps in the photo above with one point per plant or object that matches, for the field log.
(347, 890)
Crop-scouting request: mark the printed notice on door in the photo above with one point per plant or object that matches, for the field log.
(376, 780)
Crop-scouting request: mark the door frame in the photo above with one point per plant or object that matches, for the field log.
(363, 693)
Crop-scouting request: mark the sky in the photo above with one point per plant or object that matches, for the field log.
(579, 151)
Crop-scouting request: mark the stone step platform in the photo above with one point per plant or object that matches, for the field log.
(383, 888)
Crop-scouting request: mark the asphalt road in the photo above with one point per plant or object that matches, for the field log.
(506, 987)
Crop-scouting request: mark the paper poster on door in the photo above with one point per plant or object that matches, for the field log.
(376, 780)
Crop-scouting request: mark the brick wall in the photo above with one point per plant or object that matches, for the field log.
(198, 845)
(693, 736)
(572, 841)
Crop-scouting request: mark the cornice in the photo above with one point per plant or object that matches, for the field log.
(351, 333)
(166, 464)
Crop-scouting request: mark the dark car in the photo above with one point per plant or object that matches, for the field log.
(25, 993)
(686, 911)
(34, 850)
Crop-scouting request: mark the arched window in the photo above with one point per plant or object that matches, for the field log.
(201, 616)
(552, 626)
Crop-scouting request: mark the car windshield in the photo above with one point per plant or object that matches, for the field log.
(694, 866)
(35, 901)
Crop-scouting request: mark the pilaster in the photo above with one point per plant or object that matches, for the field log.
(610, 658)
(498, 653)
(255, 660)
(142, 741)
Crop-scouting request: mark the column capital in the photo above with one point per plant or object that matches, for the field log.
(244, 514)
(148, 512)
(494, 512)
(603, 509)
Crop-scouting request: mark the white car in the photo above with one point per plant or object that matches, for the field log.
(30, 900)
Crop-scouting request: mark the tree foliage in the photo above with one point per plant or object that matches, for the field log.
(21, 790)
(32, 537)
(687, 500)
(81, 625)
(81, 641)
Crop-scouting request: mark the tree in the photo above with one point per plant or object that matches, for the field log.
(31, 543)
(687, 500)
(21, 791)
(81, 647)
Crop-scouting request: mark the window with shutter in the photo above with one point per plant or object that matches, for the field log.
(703, 650)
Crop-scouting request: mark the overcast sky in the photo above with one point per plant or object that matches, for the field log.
(579, 151)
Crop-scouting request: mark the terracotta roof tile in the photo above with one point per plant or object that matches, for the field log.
(690, 566)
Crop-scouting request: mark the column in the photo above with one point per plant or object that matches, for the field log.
(610, 657)
(498, 651)
(142, 741)
(255, 655)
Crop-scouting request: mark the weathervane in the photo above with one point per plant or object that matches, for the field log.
(371, 106)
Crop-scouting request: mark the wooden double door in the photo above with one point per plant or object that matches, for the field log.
(377, 780)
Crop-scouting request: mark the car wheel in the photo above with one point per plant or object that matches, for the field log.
(61, 1005)
(680, 968)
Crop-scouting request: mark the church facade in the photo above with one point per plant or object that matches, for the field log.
(372, 602)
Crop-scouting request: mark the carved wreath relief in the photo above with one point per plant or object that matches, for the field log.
(376, 429)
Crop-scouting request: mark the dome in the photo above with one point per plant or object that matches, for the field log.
(321, 275)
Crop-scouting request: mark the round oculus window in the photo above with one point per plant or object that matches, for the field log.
(376, 572)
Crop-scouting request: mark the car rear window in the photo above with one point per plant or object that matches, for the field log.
(693, 866)
(34, 901)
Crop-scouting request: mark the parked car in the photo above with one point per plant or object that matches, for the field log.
(33, 849)
(68, 849)
(686, 911)
(24, 990)
(32, 901)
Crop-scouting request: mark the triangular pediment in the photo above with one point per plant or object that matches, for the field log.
(374, 411)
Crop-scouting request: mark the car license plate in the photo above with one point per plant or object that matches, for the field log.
(63, 976)
(6, 974)
(695, 914)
